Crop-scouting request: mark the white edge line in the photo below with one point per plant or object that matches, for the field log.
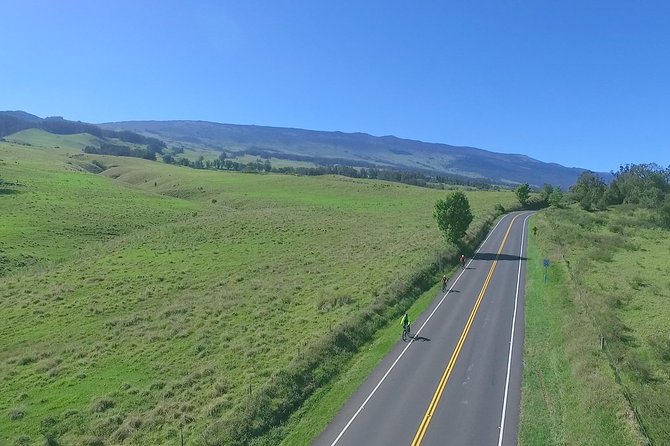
(511, 341)
(416, 334)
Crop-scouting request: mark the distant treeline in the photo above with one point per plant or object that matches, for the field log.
(15, 123)
(148, 152)
(376, 173)
(641, 185)
(11, 124)
(321, 161)
(363, 169)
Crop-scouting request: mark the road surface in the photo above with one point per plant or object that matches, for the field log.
(458, 381)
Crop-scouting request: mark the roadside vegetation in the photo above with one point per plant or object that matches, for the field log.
(143, 302)
(597, 358)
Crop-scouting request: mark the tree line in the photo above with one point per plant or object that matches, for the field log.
(107, 148)
(640, 185)
(395, 175)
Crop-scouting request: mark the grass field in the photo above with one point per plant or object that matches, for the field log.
(608, 280)
(148, 300)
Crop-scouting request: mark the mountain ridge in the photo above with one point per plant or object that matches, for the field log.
(360, 150)
(385, 151)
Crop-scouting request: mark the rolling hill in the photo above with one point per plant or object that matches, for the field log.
(297, 145)
(355, 149)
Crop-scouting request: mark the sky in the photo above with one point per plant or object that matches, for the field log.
(580, 83)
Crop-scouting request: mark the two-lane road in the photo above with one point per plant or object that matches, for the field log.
(458, 381)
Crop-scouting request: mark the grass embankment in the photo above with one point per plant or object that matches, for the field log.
(149, 299)
(608, 280)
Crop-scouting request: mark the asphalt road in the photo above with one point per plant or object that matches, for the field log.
(458, 381)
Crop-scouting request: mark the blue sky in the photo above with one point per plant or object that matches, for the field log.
(581, 83)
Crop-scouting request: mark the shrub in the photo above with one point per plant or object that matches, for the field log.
(16, 414)
(661, 346)
(639, 368)
(93, 441)
(638, 282)
(28, 359)
(23, 440)
(121, 434)
(102, 404)
(51, 440)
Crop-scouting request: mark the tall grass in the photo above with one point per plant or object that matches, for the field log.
(611, 279)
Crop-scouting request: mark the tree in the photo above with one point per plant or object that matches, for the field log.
(546, 192)
(168, 159)
(199, 163)
(523, 193)
(453, 216)
(664, 214)
(589, 191)
(556, 198)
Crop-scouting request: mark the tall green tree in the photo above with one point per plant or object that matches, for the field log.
(556, 199)
(523, 193)
(546, 192)
(664, 214)
(453, 216)
(589, 191)
(640, 184)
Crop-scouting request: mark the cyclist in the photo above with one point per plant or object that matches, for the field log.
(462, 260)
(445, 279)
(405, 326)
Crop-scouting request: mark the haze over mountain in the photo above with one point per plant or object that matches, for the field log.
(357, 149)
(318, 147)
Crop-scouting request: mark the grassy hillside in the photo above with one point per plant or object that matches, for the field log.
(609, 280)
(42, 139)
(355, 149)
(148, 300)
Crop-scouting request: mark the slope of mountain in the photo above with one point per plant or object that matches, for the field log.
(17, 125)
(18, 114)
(356, 149)
(321, 148)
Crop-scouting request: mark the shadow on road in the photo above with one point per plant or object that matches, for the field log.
(492, 256)
(420, 338)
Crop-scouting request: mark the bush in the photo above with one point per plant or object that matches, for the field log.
(639, 368)
(661, 346)
(93, 441)
(101, 405)
(28, 359)
(51, 440)
(16, 414)
(23, 440)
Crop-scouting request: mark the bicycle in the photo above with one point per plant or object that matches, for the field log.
(405, 332)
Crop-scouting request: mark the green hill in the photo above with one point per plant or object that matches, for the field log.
(355, 149)
(41, 138)
(148, 299)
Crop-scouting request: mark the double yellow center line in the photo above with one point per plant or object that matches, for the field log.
(454, 356)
